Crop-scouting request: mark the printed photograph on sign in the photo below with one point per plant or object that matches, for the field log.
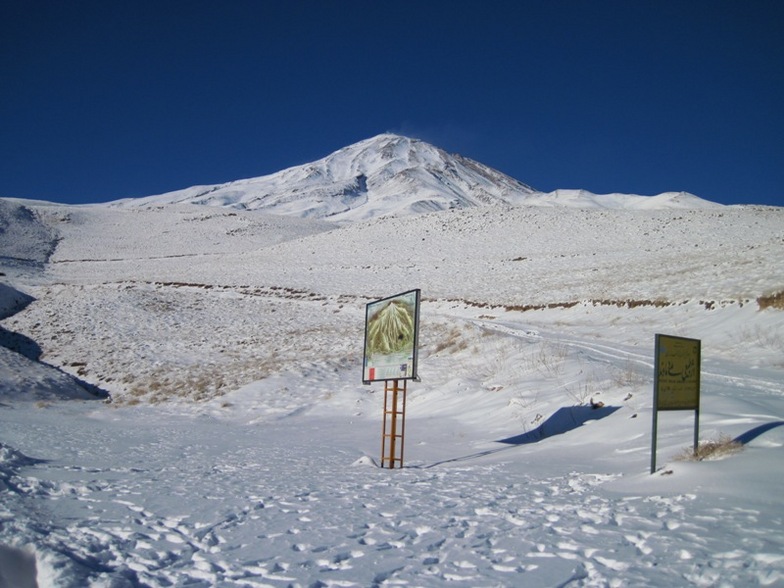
(391, 332)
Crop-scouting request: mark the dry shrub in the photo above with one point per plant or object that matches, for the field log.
(772, 301)
(453, 342)
(628, 375)
(723, 447)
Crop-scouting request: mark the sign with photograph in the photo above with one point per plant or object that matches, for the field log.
(391, 333)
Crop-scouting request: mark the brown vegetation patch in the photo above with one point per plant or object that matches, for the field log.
(723, 447)
(772, 301)
(776, 300)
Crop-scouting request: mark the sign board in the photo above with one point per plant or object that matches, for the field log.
(677, 375)
(391, 333)
(676, 382)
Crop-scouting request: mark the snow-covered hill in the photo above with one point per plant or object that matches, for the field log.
(239, 443)
(585, 199)
(24, 240)
(390, 175)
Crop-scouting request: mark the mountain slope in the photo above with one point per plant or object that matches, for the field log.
(387, 175)
(585, 199)
(130, 296)
(390, 175)
(231, 344)
(24, 239)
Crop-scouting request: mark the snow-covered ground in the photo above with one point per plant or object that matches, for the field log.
(239, 447)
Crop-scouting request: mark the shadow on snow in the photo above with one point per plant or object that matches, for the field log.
(29, 348)
(752, 434)
(563, 420)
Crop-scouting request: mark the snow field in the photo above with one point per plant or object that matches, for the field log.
(152, 497)
(239, 446)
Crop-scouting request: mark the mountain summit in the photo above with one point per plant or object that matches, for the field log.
(392, 175)
(387, 175)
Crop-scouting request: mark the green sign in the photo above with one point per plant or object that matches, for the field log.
(677, 375)
(676, 382)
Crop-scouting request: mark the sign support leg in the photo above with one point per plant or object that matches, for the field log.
(653, 441)
(395, 431)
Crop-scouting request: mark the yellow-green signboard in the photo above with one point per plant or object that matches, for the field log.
(677, 375)
(676, 382)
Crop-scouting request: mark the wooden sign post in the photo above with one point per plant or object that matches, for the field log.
(391, 343)
(394, 428)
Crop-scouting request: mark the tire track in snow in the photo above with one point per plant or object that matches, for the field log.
(618, 355)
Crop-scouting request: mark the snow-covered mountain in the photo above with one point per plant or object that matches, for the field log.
(391, 175)
(239, 443)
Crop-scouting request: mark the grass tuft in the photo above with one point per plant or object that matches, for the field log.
(723, 447)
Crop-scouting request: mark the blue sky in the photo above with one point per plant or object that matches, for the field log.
(101, 100)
